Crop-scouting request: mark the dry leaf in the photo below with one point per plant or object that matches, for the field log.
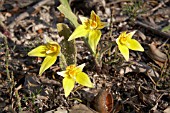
(167, 110)
(156, 54)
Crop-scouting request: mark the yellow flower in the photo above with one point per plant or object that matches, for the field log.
(90, 28)
(74, 74)
(50, 50)
(125, 42)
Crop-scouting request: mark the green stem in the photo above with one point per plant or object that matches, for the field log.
(75, 52)
(98, 66)
(6, 55)
(9, 77)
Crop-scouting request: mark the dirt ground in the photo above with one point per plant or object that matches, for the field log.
(141, 85)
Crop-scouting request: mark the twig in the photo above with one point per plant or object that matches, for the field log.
(28, 12)
(154, 31)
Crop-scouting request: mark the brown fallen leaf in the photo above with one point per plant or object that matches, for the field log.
(167, 110)
(142, 35)
(156, 55)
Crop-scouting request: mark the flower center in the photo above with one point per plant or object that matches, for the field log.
(52, 48)
(71, 70)
(123, 40)
(93, 24)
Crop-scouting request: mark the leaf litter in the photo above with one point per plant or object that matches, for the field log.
(141, 85)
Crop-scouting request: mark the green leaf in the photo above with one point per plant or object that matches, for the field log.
(68, 47)
(68, 85)
(66, 4)
(93, 40)
(83, 79)
(39, 51)
(48, 62)
(68, 14)
(63, 30)
(166, 28)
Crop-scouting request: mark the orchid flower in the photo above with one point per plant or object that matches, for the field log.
(74, 74)
(50, 50)
(125, 42)
(90, 29)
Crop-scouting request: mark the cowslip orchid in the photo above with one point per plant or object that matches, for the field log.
(74, 74)
(50, 50)
(125, 42)
(90, 29)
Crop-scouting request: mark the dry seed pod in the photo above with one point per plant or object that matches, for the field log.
(103, 102)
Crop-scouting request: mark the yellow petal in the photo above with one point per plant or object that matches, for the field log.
(101, 25)
(93, 40)
(48, 62)
(80, 67)
(129, 35)
(39, 51)
(83, 19)
(124, 51)
(68, 85)
(96, 18)
(62, 73)
(93, 15)
(80, 31)
(83, 79)
(135, 45)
